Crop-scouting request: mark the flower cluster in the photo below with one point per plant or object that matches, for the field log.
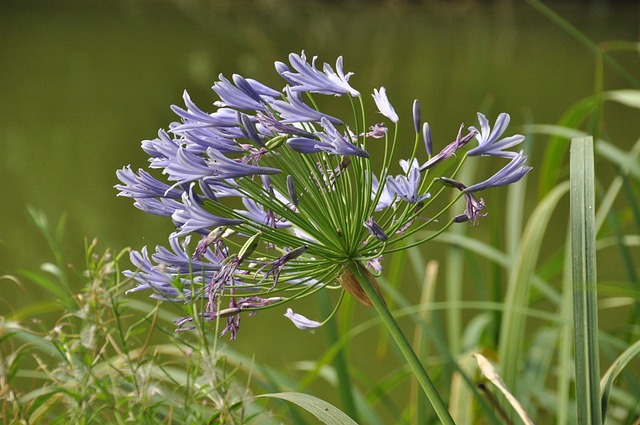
(280, 198)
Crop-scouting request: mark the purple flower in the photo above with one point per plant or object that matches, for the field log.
(241, 97)
(375, 230)
(187, 167)
(257, 213)
(488, 139)
(417, 116)
(294, 110)
(178, 260)
(194, 117)
(149, 276)
(163, 207)
(474, 206)
(448, 150)
(143, 185)
(309, 79)
(472, 210)
(330, 141)
(194, 218)
(386, 199)
(270, 123)
(300, 321)
(382, 102)
(276, 266)
(407, 186)
(249, 130)
(426, 137)
(291, 188)
(510, 173)
(377, 131)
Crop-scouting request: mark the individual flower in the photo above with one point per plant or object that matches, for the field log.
(377, 131)
(417, 116)
(489, 142)
(510, 173)
(329, 140)
(407, 186)
(382, 102)
(274, 200)
(448, 151)
(300, 321)
(309, 78)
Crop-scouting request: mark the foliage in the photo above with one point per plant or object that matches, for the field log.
(99, 364)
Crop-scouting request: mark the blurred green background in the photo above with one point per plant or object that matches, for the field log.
(83, 82)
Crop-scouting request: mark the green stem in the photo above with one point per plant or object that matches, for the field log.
(403, 344)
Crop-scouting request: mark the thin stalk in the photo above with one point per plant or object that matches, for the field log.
(402, 343)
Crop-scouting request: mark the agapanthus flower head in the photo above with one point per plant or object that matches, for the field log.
(273, 199)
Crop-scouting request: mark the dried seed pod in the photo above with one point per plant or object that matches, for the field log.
(350, 284)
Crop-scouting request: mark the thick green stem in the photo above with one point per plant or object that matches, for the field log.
(403, 344)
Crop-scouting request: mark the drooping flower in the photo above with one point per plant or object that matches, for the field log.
(274, 200)
(510, 173)
(300, 321)
(448, 150)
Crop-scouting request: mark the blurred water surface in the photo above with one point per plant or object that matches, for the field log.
(82, 83)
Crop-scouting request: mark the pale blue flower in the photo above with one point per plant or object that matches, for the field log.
(510, 173)
(309, 78)
(143, 185)
(163, 207)
(382, 102)
(407, 186)
(417, 116)
(194, 117)
(239, 96)
(329, 140)
(294, 110)
(149, 276)
(386, 198)
(448, 150)
(194, 218)
(427, 138)
(489, 142)
(375, 230)
(300, 321)
(377, 131)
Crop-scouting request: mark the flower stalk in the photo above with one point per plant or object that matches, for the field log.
(369, 287)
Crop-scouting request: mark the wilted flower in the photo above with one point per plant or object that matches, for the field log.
(284, 198)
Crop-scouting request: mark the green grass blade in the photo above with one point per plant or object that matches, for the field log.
(614, 370)
(583, 254)
(519, 285)
(325, 412)
(565, 345)
(627, 162)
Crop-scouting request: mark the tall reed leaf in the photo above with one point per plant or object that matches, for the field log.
(583, 254)
(519, 285)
